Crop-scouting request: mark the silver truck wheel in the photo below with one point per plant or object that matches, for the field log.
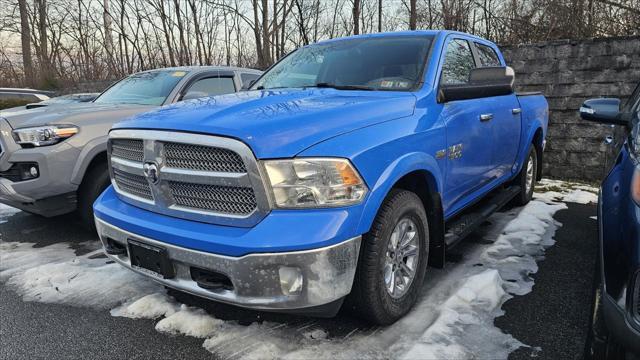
(393, 260)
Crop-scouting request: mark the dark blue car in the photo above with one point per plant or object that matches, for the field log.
(615, 326)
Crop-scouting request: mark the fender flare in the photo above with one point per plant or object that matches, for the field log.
(88, 153)
(411, 162)
(536, 125)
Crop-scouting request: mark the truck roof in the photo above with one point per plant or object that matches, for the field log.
(403, 33)
(203, 68)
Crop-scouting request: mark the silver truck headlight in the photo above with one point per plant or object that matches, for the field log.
(44, 135)
(314, 182)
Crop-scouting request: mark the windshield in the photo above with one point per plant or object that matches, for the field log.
(147, 88)
(385, 63)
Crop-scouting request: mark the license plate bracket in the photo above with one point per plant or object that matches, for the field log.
(150, 259)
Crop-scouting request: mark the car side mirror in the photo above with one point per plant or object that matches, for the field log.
(604, 111)
(483, 82)
(190, 95)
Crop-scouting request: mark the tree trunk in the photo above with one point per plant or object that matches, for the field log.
(413, 15)
(356, 17)
(256, 34)
(379, 15)
(44, 42)
(26, 44)
(108, 36)
(266, 42)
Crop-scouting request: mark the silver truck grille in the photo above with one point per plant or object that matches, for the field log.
(204, 158)
(132, 184)
(196, 177)
(222, 199)
(128, 149)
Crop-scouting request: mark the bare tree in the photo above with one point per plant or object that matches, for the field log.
(413, 15)
(356, 17)
(26, 43)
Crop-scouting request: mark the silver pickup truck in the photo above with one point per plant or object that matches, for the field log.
(53, 159)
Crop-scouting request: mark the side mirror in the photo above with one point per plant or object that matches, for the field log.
(190, 95)
(246, 86)
(605, 111)
(483, 82)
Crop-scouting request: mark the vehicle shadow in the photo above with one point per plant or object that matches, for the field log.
(344, 324)
(28, 228)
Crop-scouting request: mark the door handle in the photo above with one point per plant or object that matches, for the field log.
(516, 111)
(486, 117)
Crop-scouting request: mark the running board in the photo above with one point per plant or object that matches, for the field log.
(464, 224)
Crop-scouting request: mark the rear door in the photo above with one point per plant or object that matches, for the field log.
(469, 134)
(506, 121)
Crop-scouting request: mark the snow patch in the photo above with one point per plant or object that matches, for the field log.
(189, 321)
(6, 212)
(151, 306)
(555, 190)
(54, 274)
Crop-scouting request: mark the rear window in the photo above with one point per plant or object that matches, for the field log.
(488, 56)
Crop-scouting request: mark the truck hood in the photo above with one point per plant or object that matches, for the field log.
(74, 114)
(279, 123)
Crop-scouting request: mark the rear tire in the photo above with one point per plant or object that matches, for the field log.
(527, 178)
(94, 183)
(393, 260)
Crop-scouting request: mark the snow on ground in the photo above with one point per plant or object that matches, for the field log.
(453, 318)
(557, 190)
(5, 212)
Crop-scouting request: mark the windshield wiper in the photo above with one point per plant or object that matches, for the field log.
(343, 87)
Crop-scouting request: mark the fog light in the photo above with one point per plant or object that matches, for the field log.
(290, 280)
(28, 171)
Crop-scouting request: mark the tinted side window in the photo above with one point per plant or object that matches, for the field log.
(488, 56)
(247, 78)
(213, 86)
(458, 63)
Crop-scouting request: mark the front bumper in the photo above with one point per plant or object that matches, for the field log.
(258, 279)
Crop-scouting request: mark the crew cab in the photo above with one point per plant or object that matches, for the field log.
(346, 168)
(615, 326)
(53, 159)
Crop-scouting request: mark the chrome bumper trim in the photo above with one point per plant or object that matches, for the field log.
(328, 272)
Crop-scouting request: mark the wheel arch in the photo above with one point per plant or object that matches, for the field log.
(93, 152)
(418, 173)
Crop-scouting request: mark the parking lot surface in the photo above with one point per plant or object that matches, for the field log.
(544, 311)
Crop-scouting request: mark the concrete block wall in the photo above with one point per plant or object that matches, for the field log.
(569, 72)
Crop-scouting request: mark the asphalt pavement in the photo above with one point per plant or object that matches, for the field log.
(552, 319)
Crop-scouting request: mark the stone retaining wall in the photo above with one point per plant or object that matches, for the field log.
(568, 73)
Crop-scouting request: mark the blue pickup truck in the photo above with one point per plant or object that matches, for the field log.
(345, 170)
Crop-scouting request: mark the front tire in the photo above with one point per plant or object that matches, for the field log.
(94, 183)
(393, 260)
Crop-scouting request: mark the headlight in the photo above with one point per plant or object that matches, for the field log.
(44, 135)
(314, 182)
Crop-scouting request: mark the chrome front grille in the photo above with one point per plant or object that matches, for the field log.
(127, 149)
(197, 177)
(204, 158)
(221, 199)
(133, 184)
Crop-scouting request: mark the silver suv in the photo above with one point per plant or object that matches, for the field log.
(53, 159)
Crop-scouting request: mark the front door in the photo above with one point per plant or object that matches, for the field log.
(469, 131)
